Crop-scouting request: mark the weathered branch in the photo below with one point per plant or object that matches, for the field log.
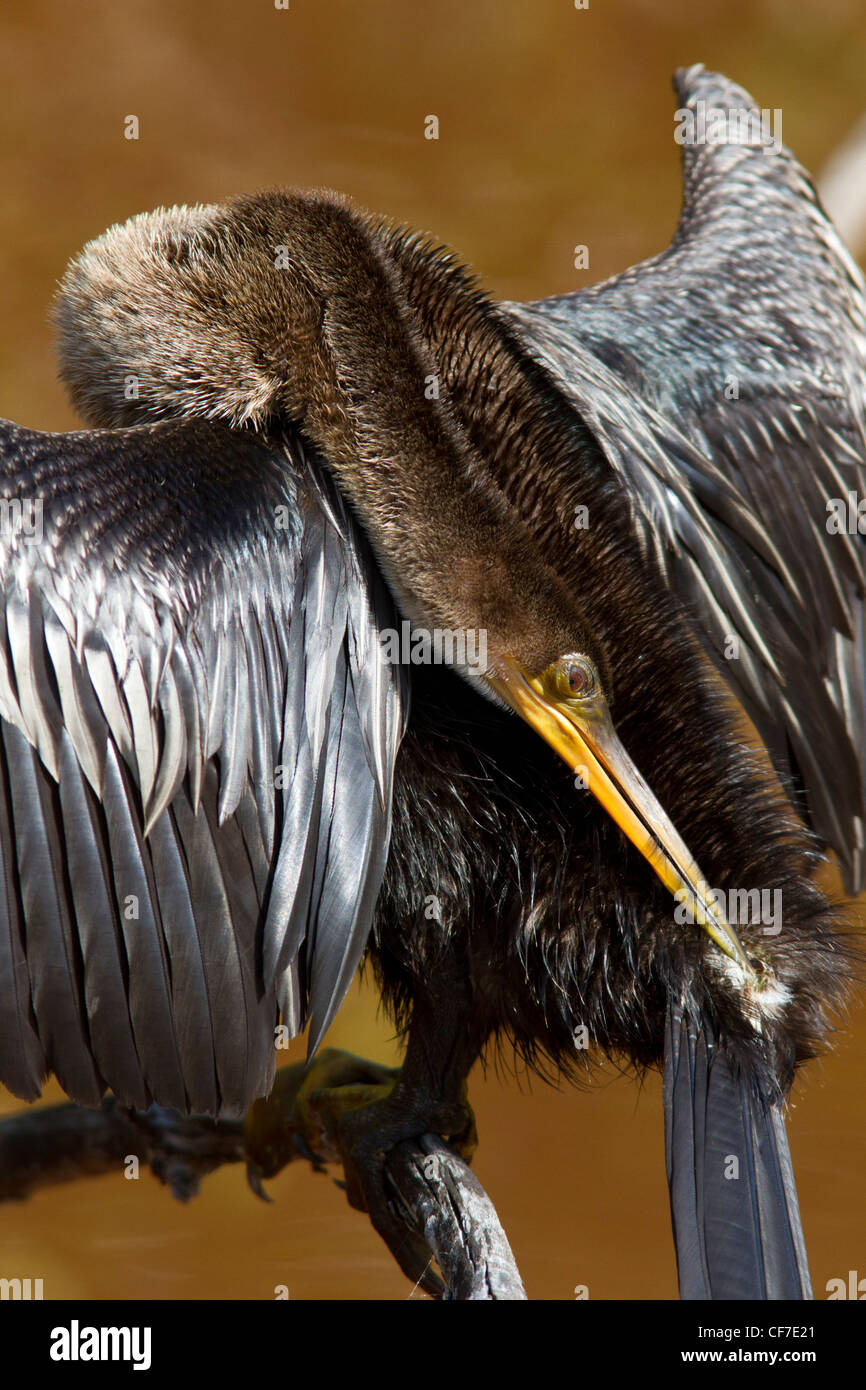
(41, 1148)
(439, 1197)
(433, 1191)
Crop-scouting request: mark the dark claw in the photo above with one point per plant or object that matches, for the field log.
(303, 1148)
(254, 1178)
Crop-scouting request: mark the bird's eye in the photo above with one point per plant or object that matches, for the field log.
(579, 679)
(576, 677)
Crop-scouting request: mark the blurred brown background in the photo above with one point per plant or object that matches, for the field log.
(555, 129)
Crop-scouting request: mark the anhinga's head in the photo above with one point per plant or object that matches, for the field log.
(566, 705)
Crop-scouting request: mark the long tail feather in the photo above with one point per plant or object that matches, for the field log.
(733, 1201)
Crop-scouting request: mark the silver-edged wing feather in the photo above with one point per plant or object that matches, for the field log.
(726, 381)
(197, 739)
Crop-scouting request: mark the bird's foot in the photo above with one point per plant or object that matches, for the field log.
(350, 1111)
(286, 1125)
(369, 1123)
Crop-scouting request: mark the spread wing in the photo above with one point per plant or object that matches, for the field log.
(197, 739)
(726, 381)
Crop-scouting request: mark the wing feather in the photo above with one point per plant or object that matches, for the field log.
(725, 380)
(197, 742)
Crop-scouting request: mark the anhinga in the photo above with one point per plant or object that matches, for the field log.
(216, 790)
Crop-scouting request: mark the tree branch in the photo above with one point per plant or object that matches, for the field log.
(434, 1192)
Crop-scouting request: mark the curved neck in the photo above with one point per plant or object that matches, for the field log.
(367, 388)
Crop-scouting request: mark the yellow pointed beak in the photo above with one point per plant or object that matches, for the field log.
(582, 733)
